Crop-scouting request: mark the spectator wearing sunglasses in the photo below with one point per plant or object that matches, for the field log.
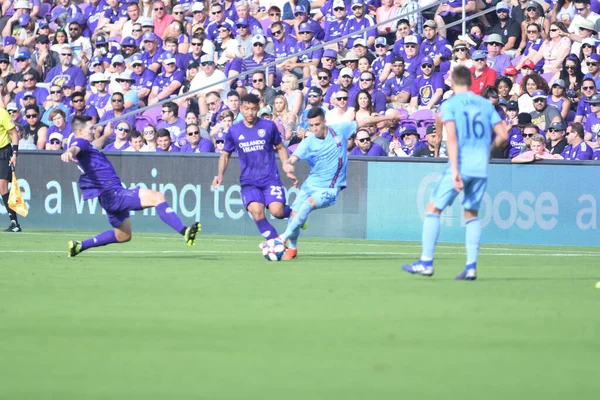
(556, 138)
(172, 122)
(482, 76)
(283, 43)
(538, 151)
(118, 110)
(195, 143)
(121, 132)
(66, 71)
(583, 13)
(588, 89)
(167, 83)
(207, 75)
(79, 107)
(80, 45)
(217, 17)
(242, 11)
(33, 129)
(544, 115)
(428, 89)
(29, 82)
(592, 122)
(162, 19)
(528, 132)
(578, 148)
(257, 58)
(336, 19)
(435, 46)
(365, 147)
(55, 102)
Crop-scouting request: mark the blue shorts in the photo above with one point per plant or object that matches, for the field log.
(324, 197)
(119, 202)
(274, 193)
(444, 193)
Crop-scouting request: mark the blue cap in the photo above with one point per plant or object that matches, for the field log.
(300, 9)
(8, 40)
(594, 56)
(128, 41)
(43, 24)
(479, 55)
(426, 60)
(100, 40)
(380, 40)
(23, 55)
(96, 61)
(225, 25)
(539, 94)
(408, 130)
(149, 37)
(137, 59)
(304, 27)
(330, 53)
(242, 21)
(358, 2)
(168, 57)
(24, 19)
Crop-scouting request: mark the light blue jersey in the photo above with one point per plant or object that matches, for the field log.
(328, 157)
(475, 118)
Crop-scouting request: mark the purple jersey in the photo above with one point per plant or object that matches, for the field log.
(313, 55)
(203, 146)
(97, 173)
(378, 65)
(90, 111)
(143, 81)
(582, 151)
(171, 149)
(285, 48)
(335, 29)
(112, 147)
(583, 108)
(498, 63)
(375, 151)
(155, 59)
(162, 81)
(437, 47)
(111, 114)
(515, 143)
(409, 152)
(534, 46)
(393, 86)
(596, 155)
(176, 128)
(354, 25)
(40, 94)
(73, 74)
(425, 88)
(413, 65)
(255, 148)
(98, 101)
(592, 125)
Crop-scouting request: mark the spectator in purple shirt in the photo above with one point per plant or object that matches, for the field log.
(66, 71)
(336, 22)
(495, 60)
(359, 21)
(172, 123)
(367, 83)
(365, 147)
(428, 89)
(578, 149)
(118, 110)
(152, 53)
(301, 18)
(305, 61)
(29, 87)
(167, 84)
(435, 47)
(58, 123)
(78, 107)
(398, 88)
(164, 143)
(451, 10)
(122, 131)
(195, 143)
(592, 123)
(412, 60)
(284, 44)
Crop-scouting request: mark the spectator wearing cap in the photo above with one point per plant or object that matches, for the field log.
(397, 89)
(495, 59)
(128, 49)
(534, 14)
(413, 59)
(585, 36)
(206, 76)
(364, 145)
(152, 53)
(328, 62)
(554, 49)
(302, 23)
(15, 114)
(403, 31)
(577, 148)
(81, 45)
(482, 75)
(29, 86)
(315, 99)
(33, 129)
(9, 24)
(584, 13)
(168, 82)
(182, 59)
(305, 61)
(510, 74)
(460, 55)
(593, 68)
(592, 122)
(217, 17)
(435, 46)
(79, 107)
(382, 65)
(512, 111)
(15, 85)
(435, 147)
(66, 71)
(43, 59)
(125, 80)
(112, 19)
(362, 50)
(243, 35)
(544, 114)
(242, 10)
(451, 10)
(345, 81)
(259, 57)
(199, 18)
(336, 24)
(556, 142)
(428, 89)
(99, 97)
(148, 26)
(360, 21)
(507, 28)
(143, 78)
(25, 31)
(408, 144)
(117, 111)
(117, 66)
(274, 17)
(558, 99)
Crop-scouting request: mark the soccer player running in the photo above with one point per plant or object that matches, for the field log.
(469, 121)
(325, 150)
(9, 146)
(99, 179)
(256, 140)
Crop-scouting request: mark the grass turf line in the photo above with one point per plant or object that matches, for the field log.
(129, 322)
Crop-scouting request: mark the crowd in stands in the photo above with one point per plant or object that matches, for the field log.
(537, 61)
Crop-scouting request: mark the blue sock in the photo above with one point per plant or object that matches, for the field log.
(102, 239)
(293, 228)
(169, 217)
(472, 240)
(293, 238)
(431, 232)
(266, 229)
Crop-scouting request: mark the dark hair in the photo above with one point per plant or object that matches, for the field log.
(79, 122)
(32, 107)
(578, 128)
(461, 76)
(506, 80)
(564, 75)
(490, 92)
(163, 133)
(172, 39)
(537, 129)
(315, 112)
(172, 107)
(560, 25)
(117, 93)
(370, 107)
(261, 72)
(77, 94)
(539, 82)
(324, 71)
(233, 93)
(276, 24)
(134, 135)
(586, 2)
(251, 98)
(403, 21)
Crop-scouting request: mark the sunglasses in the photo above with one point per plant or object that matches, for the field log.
(178, 13)
(117, 100)
(528, 135)
(136, 30)
(258, 45)
(539, 100)
(338, 9)
(275, 33)
(569, 67)
(55, 91)
(587, 46)
(298, 14)
(54, 141)
(3, 62)
(242, 26)
(274, 14)
(74, 28)
(531, 9)
(28, 116)
(219, 141)
(410, 46)
(66, 54)
(345, 98)
(588, 88)
(223, 30)
(501, 11)
(363, 140)
(28, 79)
(553, 130)
(329, 59)
(580, 9)
(305, 33)
(495, 44)
(461, 50)
(216, 12)
(148, 132)
(205, 63)
(366, 79)
(553, 29)
(380, 46)
(591, 64)
(78, 101)
(159, 8)
(357, 8)
(427, 66)
(322, 78)
(258, 80)
(313, 95)
(194, 133)
(197, 12)
(126, 130)
(196, 44)
(536, 31)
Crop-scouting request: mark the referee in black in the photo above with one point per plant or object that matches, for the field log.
(9, 146)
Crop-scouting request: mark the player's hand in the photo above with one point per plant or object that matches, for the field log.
(13, 161)
(293, 178)
(288, 168)
(217, 181)
(67, 156)
(457, 181)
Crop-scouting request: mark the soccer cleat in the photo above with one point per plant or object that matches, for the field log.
(262, 245)
(469, 273)
(191, 232)
(74, 248)
(424, 268)
(290, 254)
(304, 225)
(13, 227)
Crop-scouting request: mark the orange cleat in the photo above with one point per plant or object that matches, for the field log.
(290, 254)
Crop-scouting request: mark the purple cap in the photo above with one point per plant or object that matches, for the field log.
(8, 40)
(300, 9)
(23, 55)
(539, 94)
(408, 130)
(358, 2)
(594, 56)
(426, 60)
(149, 37)
(24, 19)
(100, 40)
(304, 27)
(137, 59)
(168, 57)
(330, 53)
(96, 61)
(43, 24)
(128, 41)
(225, 25)
(242, 21)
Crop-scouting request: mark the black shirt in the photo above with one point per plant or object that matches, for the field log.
(423, 151)
(511, 29)
(558, 148)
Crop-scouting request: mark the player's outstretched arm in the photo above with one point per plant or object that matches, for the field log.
(373, 120)
(452, 149)
(70, 154)
(288, 168)
(223, 163)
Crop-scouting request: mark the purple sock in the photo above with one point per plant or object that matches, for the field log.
(169, 217)
(287, 211)
(266, 229)
(106, 237)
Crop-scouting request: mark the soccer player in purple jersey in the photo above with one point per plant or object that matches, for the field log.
(99, 179)
(256, 140)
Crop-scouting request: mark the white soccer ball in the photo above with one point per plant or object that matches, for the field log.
(274, 250)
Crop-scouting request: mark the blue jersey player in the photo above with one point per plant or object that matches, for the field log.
(256, 140)
(99, 179)
(326, 152)
(469, 121)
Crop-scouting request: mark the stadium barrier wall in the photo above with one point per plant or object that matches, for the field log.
(546, 204)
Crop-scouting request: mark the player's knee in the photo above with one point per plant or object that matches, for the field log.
(123, 237)
(159, 198)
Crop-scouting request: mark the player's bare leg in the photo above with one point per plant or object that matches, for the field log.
(295, 223)
(472, 240)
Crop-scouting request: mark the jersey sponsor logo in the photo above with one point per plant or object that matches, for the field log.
(261, 133)
(253, 145)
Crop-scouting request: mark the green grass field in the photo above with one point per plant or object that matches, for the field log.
(154, 319)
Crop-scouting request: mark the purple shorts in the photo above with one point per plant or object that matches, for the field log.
(266, 195)
(119, 202)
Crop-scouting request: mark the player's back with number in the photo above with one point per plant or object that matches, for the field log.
(475, 118)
